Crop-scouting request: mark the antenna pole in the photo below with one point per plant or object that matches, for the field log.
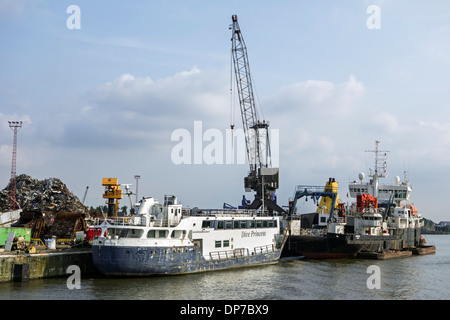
(137, 177)
(13, 204)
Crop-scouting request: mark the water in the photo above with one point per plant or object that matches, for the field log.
(415, 277)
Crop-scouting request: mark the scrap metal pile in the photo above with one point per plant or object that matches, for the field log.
(49, 195)
(33, 220)
(48, 208)
(66, 224)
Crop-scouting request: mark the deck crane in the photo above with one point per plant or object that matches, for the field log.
(262, 178)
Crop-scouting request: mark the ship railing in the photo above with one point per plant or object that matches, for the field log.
(132, 221)
(113, 221)
(340, 219)
(360, 210)
(122, 221)
(264, 249)
(241, 252)
(159, 223)
(224, 212)
(228, 254)
(313, 189)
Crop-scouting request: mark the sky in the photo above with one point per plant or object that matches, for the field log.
(102, 91)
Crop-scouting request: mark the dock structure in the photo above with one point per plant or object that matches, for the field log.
(385, 255)
(392, 254)
(20, 266)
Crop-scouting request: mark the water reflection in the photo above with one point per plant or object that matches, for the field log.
(416, 277)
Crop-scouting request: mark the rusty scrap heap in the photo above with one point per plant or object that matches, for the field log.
(66, 224)
(49, 195)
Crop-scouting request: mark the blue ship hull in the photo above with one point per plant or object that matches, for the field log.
(152, 261)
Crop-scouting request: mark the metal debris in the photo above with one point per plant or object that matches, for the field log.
(33, 220)
(49, 208)
(49, 195)
(66, 224)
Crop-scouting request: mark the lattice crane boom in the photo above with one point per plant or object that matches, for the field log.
(250, 121)
(262, 178)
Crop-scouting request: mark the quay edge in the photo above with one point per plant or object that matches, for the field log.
(44, 264)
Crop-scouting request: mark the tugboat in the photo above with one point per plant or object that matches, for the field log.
(381, 223)
(165, 239)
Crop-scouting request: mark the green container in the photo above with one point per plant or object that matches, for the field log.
(19, 232)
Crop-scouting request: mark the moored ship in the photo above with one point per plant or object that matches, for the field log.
(318, 235)
(382, 219)
(163, 239)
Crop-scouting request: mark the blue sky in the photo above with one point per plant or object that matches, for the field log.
(103, 101)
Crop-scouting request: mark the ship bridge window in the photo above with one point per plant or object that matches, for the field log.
(400, 194)
(236, 224)
(224, 224)
(243, 224)
(207, 224)
(131, 233)
(114, 232)
(177, 234)
(259, 223)
(371, 218)
(162, 233)
(157, 233)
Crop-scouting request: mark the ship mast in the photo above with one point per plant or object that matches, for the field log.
(380, 169)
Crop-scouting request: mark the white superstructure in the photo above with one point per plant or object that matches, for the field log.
(164, 238)
(393, 208)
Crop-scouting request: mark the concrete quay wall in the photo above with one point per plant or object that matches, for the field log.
(49, 263)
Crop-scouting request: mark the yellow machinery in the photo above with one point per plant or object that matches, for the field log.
(113, 194)
(325, 202)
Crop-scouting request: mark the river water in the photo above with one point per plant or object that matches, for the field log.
(416, 277)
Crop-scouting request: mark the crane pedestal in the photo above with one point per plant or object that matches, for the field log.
(113, 194)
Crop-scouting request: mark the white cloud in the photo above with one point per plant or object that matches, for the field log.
(187, 92)
(12, 7)
(324, 128)
(5, 155)
(15, 8)
(383, 123)
(131, 110)
(318, 98)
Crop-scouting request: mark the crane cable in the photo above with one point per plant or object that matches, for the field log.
(232, 105)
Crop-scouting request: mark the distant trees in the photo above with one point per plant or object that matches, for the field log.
(434, 228)
(104, 209)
